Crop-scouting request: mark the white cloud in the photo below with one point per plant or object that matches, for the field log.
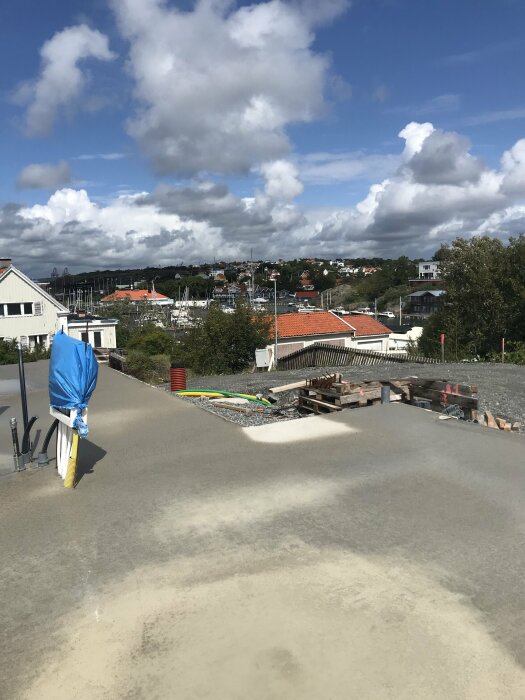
(217, 86)
(381, 93)
(438, 191)
(44, 176)
(331, 168)
(101, 156)
(61, 81)
(497, 116)
(435, 105)
(282, 181)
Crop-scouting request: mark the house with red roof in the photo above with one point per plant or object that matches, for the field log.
(135, 296)
(296, 331)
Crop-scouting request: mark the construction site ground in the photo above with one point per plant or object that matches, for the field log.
(501, 387)
(374, 553)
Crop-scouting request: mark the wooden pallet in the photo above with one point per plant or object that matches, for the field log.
(340, 395)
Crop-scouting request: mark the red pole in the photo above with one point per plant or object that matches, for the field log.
(442, 347)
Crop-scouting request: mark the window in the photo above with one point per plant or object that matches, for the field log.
(14, 309)
(38, 308)
(84, 337)
(97, 335)
(22, 309)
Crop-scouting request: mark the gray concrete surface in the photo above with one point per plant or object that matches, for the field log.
(378, 553)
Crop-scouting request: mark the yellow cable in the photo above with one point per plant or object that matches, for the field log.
(69, 481)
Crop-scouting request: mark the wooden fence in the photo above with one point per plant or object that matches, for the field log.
(325, 355)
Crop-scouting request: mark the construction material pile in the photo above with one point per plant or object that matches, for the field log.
(329, 393)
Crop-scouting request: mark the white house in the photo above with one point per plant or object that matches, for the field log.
(400, 342)
(298, 330)
(28, 314)
(428, 270)
(99, 332)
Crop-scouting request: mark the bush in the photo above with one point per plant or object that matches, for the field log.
(514, 353)
(9, 353)
(151, 341)
(153, 369)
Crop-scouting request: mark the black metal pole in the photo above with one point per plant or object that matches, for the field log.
(42, 457)
(16, 446)
(22, 378)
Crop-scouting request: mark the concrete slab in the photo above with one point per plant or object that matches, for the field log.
(382, 558)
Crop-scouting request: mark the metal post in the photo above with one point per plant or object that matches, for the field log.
(375, 308)
(503, 349)
(400, 312)
(275, 317)
(22, 378)
(16, 446)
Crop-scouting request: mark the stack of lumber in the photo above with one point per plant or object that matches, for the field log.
(338, 395)
(486, 419)
(441, 394)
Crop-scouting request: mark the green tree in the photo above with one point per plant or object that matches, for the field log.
(151, 340)
(484, 284)
(224, 343)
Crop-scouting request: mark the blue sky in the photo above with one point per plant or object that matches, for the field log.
(163, 132)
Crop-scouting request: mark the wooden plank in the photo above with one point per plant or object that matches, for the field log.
(446, 386)
(317, 402)
(287, 387)
(233, 407)
(516, 427)
(491, 423)
(359, 397)
(501, 423)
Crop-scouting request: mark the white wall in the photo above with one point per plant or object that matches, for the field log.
(108, 334)
(14, 290)
(376, 343)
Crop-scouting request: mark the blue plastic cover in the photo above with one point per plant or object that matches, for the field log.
(73, 372)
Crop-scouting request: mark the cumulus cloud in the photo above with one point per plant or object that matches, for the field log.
(44, 176)
(282, 181)
(443, 159)
(438, 191)
(61, 80)
(217, 86)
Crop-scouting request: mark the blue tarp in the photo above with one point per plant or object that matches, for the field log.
(73, 372)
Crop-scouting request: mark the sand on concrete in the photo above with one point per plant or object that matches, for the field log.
(293, 624)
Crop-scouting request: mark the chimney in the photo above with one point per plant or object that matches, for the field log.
(5, 262)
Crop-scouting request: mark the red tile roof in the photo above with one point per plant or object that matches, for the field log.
(133, 295)
(306, 294)
(367, 325)
(325, 323)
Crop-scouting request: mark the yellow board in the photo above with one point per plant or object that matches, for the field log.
(70, 480)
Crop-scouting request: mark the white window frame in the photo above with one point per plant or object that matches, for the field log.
(5, 304)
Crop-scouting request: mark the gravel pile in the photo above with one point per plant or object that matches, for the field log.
(259, 416)
(501, 387)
